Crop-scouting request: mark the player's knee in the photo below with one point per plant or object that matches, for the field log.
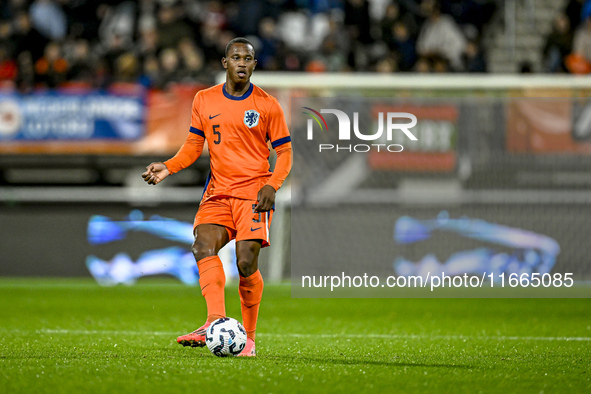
(202, 249)
(246, 267)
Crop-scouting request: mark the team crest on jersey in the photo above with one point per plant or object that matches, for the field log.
(251, 118)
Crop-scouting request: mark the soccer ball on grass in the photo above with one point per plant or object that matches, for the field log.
(225, 337)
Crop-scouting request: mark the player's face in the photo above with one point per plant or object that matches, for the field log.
(240, 62)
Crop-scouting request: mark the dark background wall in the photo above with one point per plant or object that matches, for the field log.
(359, 239)
(51, 239)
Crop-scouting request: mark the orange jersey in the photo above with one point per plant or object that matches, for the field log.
(237, 130)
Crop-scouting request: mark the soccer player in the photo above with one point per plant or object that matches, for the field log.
(237, 119)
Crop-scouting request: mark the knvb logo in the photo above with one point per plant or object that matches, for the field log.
(344, 133)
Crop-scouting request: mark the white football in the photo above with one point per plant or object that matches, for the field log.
(225, 337)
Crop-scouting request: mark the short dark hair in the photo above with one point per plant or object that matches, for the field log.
(237, 40)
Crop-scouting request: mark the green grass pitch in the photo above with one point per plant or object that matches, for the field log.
(72, 336)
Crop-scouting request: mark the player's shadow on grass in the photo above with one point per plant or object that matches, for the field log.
(344, 360)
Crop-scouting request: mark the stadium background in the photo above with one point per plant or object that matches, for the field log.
(154, 55)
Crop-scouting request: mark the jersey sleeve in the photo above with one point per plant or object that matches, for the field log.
(281, 142)
(282, 166)
(193, 146)
(196, 125)
(187, 154)
(277, 131)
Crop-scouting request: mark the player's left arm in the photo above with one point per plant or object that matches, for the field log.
(281, 142)
(266, 196)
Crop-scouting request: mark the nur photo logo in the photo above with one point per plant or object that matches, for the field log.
(348, 129)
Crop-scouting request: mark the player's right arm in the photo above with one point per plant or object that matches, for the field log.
(187, 155)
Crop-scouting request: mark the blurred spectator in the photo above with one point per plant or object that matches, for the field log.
(475, 13)
(393, 16)
(441, 36)
(387, 65)
(558, 45)
(439, 64)
(118, 23)
(433, 63)
(159, 42)
(288, 59)
(220, 44)
(577, 64)
(210, 34)
(192, 63)
(49, 18)
(170, 68)
(293, 30)
(357, 20)
(127, 68)
(582, 40)
(335, 46)
(358, 23)
(148, 41)
(51, 69)
(27, 38)
(423, 65)
(474, 58)
(268, 44)
(116, 47)
(194, 70)
(402, 43)
(413, 8)
(150, 71)
(171, 27)
(573, 11)
(148, 7)
(81, 68)
(247, 16)
(82, 18)
(26, 72)
(318, 28)
(8, 67)
(6, 40)
(213, 13)
(315, 65)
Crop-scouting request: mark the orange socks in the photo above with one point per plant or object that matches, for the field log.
(212, 280)
(251, 292)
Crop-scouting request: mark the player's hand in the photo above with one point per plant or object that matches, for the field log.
(265, 199)
(155, 173)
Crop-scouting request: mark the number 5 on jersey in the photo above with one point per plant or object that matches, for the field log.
(217, 134)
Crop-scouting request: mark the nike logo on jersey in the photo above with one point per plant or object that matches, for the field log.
(211, 117)
(255, 229)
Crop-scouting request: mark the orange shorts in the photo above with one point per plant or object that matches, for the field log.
(237, 216)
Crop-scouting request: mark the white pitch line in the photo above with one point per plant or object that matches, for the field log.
(295, 335)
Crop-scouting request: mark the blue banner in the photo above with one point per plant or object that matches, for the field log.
(58, 116)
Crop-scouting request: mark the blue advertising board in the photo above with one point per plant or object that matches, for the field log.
(59, 116)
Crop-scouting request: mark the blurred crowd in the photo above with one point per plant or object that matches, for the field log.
(568, 46)
(50, 43)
